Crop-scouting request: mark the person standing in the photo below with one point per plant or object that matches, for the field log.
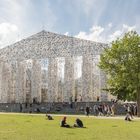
(87, 111)
(21, 107)
(112, 110)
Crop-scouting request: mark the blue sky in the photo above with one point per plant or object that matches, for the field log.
(97, 20)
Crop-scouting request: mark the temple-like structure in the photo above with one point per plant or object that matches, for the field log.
(48, 67)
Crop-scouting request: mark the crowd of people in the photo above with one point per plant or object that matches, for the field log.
(109, 110)
(131, 108)
(101, 110)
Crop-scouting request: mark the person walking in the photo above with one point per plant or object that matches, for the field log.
(87, 111)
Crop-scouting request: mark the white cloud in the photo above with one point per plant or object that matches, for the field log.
(8, 34)
(94, 34)
(67, 33)
(103, 34)
(115, 35)
(27, 15)
(23, 18)
(119, 33)
(14, 11)
(128, 28)
(97, 30)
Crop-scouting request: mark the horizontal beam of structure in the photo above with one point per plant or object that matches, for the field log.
(46, 45)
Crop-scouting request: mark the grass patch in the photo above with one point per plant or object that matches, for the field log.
(21, 127)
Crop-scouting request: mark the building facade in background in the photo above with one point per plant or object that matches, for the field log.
(49, 67)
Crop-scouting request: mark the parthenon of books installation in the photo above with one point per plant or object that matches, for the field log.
(49, 67)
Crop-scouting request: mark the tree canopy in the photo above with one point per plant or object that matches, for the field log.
(121, 63)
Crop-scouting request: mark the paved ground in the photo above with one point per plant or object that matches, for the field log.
(97, 117)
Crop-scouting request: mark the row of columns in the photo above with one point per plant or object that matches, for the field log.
(16, 87)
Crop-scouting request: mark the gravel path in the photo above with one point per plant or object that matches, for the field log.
(96, 117)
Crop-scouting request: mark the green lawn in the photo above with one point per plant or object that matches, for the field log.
(21, 127)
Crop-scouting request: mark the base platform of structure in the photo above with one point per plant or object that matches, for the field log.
(61, 108)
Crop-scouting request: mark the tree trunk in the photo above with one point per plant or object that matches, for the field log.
(138, 102)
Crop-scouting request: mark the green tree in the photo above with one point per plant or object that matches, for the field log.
(121, 63)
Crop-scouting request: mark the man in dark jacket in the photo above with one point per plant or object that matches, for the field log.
(87, 110)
